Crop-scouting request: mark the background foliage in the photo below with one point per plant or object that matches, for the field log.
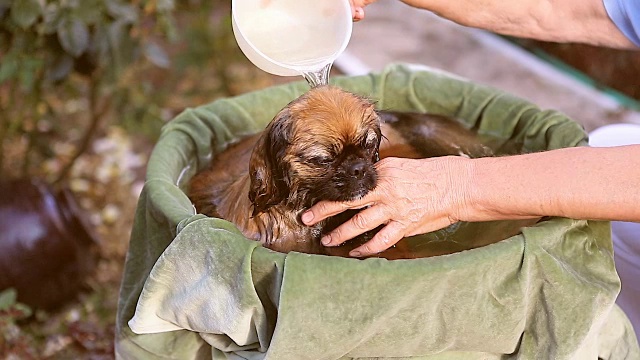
(57, 51)
(85, 86)
(66, 65)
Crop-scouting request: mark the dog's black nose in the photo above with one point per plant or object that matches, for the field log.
(356, 168)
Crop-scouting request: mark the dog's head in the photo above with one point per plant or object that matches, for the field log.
(321, 146)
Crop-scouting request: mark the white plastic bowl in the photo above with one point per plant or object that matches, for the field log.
(289, 37)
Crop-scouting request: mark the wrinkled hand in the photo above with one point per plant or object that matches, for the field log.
(412, 197)
(357, 8)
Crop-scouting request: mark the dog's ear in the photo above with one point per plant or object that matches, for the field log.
(381, 136)
(269, 173)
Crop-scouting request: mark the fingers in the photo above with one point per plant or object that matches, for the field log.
(360, 223)
(358, 14)
(325, 209)
(357, 9)
(321, 211)
(384, 239)
(393, 232)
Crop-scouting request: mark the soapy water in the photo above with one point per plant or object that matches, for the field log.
(318, 77)
(309, 50)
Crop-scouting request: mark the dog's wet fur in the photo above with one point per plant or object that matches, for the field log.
(321, 146)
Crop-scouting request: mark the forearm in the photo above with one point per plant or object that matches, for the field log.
(582, 183)
(583, 21)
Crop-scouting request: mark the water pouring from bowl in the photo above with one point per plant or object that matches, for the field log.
(293, 37)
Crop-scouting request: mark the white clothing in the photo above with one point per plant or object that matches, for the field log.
(625, 235)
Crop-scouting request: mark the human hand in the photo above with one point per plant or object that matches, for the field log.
(412, 197)
(357, 8)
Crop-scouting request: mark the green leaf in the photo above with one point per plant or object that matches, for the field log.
(60, 68)
(165, 5)
(121, 11)
(8, 298)
(24, 309)
(73, 35)
(89, 11)
(5, 5)
(156, 54)
(120, 45)
(8, 67)
(51, 18)
(29, 69)
(25, 12)
(100, 44)
(70, 4)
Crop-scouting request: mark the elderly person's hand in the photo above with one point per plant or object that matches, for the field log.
(357, 8)
(584, 21)
(412, 197)
(418, 196)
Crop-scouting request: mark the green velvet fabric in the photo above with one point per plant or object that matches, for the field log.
(195, 288)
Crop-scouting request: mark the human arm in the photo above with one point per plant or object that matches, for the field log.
(584, 21)
(419, 196)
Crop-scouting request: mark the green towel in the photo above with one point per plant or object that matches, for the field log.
(195, 288)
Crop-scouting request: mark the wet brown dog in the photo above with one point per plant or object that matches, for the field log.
(322, 146)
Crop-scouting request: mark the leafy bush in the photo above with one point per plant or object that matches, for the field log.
(11, 311)
(79, 48)
(59, 90)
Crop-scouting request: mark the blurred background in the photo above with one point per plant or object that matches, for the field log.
(86, 86)
(592, 85)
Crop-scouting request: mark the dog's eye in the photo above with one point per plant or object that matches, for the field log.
(318, 160)
(370, 141)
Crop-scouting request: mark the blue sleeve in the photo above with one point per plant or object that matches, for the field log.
(626, 15)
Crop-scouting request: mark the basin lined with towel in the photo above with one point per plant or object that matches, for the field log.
(195, 288)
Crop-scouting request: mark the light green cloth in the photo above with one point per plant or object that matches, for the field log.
(200, 290)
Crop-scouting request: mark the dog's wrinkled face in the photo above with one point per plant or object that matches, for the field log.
(322, 146)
